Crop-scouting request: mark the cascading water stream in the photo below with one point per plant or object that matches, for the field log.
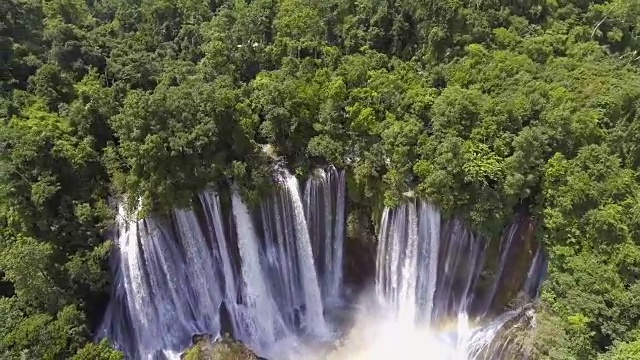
(535, 275)
(313, 301)
(325, 206)
(504, 251)
(428, 259)
(221, 254)
(266, 321)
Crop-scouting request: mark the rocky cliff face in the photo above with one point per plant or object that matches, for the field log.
(520, 256)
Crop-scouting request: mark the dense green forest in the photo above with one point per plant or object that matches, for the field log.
(482, 106)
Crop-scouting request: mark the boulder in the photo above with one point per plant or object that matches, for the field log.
(205, 348)
(514, 339)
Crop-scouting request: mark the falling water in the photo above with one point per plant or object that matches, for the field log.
(266, 320)
(535, 275)
(429, 241)
(504, 251)
(276, 270)
(423, 272)
(397, 269)
(314, 308)
(221, 254)
(173, 276)
(324, 199)
(153, 278)
(280, 254)
(289, 257)
(428, 273)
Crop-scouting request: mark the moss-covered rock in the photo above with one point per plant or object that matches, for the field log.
(205, 348)
(534, 333)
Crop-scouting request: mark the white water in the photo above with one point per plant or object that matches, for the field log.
(211, 206)
(379, 338)
(265, 320)
(430, 246)
(324, 200)
(277, 271)
(536, 274)
(314, 309)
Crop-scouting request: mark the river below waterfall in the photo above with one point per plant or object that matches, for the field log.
(439, 291)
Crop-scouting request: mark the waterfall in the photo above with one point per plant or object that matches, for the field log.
(289, 255)
(429, 239)
(153, 280)
(269, 274)
(324, 199)
(314, 308)
(423, 273)
(397, 270)
(430, 271)
(173, 276)
(535, 275)
(266, 321)
(505, 245)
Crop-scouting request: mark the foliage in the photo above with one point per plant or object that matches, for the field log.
(484, 107)
(624, 351)
(99, 351)
(42, 336)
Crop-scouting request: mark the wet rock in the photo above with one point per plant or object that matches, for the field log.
(360, 247)
(520, 256)
(226, 325)
(201, 338)
(409, 194)
(298, 313)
